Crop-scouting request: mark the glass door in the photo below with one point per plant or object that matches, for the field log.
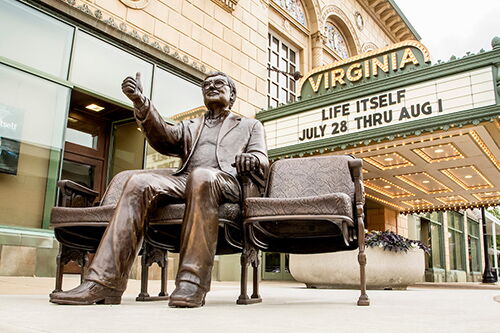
(128, 146)
(87, 139)
(90, 131)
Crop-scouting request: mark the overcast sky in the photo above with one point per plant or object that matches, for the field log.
(451, 27)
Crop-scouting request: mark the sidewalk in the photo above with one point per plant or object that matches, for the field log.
(287, 307)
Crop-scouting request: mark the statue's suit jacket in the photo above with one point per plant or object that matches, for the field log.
(237, 135)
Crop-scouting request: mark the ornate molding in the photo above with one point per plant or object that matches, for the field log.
(135, 4)
(389, 20)
(132, 31)
(227, 5)
(369, 46)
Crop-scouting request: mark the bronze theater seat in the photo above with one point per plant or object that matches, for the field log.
(311, 205)
(79, 227)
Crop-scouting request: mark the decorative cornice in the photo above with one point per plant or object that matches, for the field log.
(141, 36)
(227, 5)
(135, 4)
(369, 46)
(390, 19)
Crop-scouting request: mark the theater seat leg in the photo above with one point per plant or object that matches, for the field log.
(151, 255)
(248, 256)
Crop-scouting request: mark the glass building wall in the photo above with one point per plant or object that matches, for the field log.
(34, 39)
(474, 245)
(436, 239)
(32, 121)
(41, 59)
(456, 241)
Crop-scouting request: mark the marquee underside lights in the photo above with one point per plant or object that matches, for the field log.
(460, 171)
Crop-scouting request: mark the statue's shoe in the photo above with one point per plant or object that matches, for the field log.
(187, 295)
(89, 292)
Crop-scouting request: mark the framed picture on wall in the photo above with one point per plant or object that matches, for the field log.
(9, 155)
(10, 138)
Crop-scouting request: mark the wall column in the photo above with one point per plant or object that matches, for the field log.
(318, 41)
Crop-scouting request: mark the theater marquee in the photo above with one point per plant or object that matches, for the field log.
(428, 99)
(429, 135)
(386, 62)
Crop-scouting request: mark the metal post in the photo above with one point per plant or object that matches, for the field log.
(495, 251)
(488, 276)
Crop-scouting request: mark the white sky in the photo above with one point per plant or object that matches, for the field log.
(453, 27)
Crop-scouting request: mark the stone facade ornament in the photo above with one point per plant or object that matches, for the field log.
(136, 4)
(318, 42)
(227, 5)
(360, 22)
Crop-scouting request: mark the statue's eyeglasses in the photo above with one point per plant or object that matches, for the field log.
(216, 83)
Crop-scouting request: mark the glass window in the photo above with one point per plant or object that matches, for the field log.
(32, 112)
(436, 232)
(456, 241)
(34, 39)
(281, 87)
(80, 173)
(82, 132)
(336, 40)
(294, 8)
(432, 234)
(128, 148)
(474, 245)
(173, 95)
(99, 66)
(155, 160)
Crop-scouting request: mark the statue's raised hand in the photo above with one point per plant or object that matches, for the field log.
(132, 88)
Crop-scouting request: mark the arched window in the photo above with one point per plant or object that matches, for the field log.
(294, 8)
(336, 40)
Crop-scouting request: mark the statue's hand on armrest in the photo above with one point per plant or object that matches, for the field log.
(246, 163)
(76, 195)
(132, 88)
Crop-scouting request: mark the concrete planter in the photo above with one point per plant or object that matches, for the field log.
(384, 269)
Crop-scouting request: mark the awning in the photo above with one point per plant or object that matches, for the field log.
(446, 170)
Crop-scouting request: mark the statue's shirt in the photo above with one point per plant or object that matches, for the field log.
(204, 154)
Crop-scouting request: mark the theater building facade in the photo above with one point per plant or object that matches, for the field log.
(428, 135)
(63, 116)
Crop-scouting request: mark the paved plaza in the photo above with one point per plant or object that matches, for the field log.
(287, 307)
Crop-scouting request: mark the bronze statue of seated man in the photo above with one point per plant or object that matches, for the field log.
(214, 150)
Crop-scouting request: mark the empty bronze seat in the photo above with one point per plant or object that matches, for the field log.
(311, 205)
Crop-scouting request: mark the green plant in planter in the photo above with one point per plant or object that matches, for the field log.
(390, 241)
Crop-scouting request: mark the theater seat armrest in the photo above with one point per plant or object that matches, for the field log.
(356, 168)
(249, 188)
(76, 195)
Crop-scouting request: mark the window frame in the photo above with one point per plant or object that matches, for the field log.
(290, 66)
(456, 258)
(477, 240)
(436, 219)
